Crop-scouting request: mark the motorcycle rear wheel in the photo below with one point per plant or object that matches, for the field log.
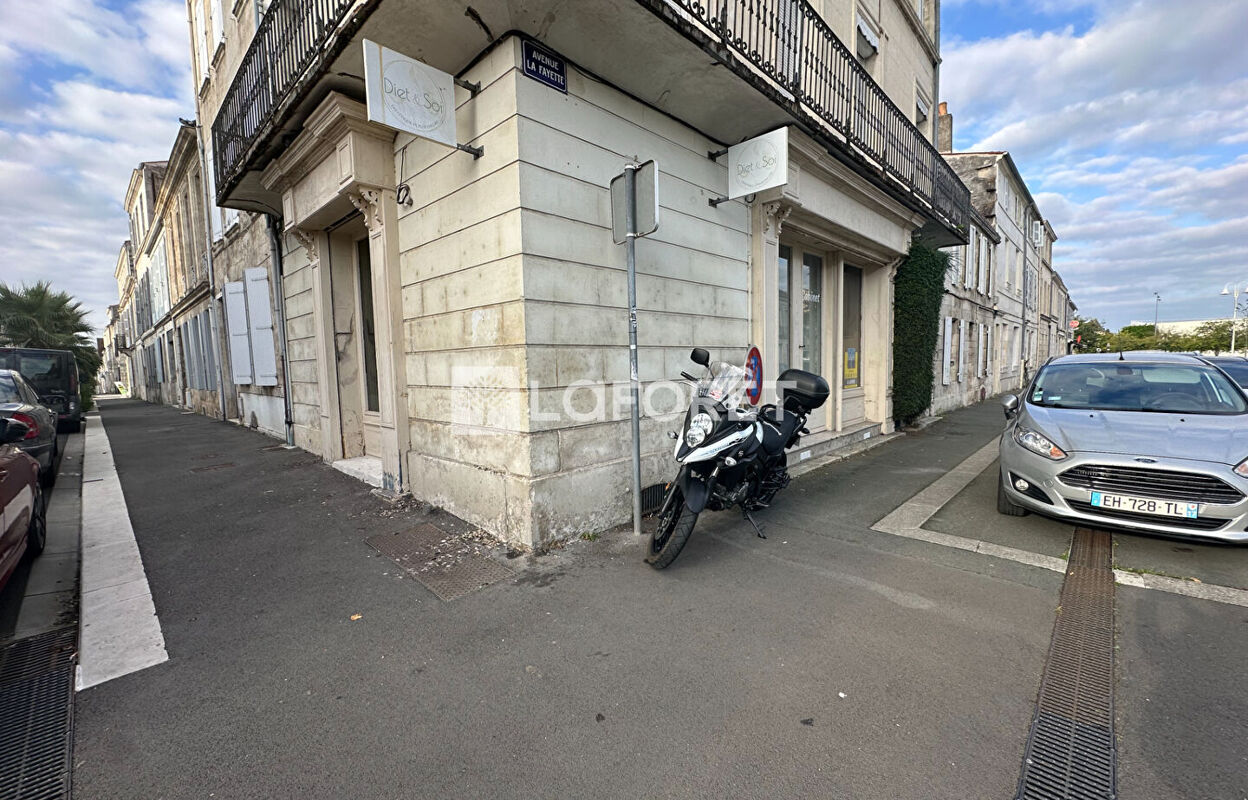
(672, 531)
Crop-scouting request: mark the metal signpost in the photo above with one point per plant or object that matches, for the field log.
(634, 213)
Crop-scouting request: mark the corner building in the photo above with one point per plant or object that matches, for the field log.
(439, 307)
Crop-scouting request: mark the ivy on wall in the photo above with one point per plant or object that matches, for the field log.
(917, 292)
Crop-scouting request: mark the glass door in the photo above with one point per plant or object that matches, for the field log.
(800, 322)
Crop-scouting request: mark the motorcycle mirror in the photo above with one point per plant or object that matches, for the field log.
(700, 356)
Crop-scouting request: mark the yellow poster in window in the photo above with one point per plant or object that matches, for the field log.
(850, 372)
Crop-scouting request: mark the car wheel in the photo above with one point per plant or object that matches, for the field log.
(37, 533)
(1004, 506)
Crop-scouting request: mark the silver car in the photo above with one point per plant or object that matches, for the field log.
(1149, 441)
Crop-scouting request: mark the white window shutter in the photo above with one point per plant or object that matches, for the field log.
(218, 23)
(201, 47)
(214, 213)
(948, 337)
(240, 332)
(961, 349)
(260, 315)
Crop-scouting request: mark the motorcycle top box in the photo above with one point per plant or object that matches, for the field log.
(805, 389)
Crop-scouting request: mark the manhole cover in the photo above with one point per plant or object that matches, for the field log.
(449, 566)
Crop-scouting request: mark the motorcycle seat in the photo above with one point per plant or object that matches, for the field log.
(779, 425)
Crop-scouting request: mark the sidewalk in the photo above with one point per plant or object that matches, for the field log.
(826, 661)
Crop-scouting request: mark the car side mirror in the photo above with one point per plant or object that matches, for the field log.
(1009, 404)
(12, 431)
(700, 356)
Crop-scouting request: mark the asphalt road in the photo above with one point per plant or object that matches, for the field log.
(828, 660)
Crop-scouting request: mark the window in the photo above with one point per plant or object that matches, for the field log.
(786, 337)
(851, 331)
(868, 40)
(921, 109)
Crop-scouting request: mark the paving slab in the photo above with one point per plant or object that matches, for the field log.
(1181, 706)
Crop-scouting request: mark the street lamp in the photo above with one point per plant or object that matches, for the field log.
(1233, 290)
(1156, 309)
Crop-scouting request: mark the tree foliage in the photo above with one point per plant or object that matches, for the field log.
(38, 316)
(918, 289)
(1091, 336)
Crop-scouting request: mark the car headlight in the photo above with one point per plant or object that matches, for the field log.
(699, 428)
(1241, 469)
(1038, 443)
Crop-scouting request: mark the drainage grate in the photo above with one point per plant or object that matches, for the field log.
(449, 566)
(36, 716)
(1071, 751)
(213, 467)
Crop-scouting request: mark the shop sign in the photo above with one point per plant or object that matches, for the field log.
(409, 95)
(759, 163)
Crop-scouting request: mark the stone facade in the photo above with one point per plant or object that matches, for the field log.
(461, 324)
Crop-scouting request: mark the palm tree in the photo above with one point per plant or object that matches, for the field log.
(38, 316)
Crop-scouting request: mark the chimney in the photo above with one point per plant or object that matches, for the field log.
(944, 130)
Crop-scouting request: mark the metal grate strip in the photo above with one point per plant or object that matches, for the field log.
(449, 566)
(36, 716)
(1071, 750)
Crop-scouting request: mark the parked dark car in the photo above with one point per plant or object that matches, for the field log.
(23, 514)
(54, 374)
(20, 401)
(1235, 366)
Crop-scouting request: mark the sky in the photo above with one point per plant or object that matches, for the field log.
(1129, 122)
(1127, 118)
(88, 89)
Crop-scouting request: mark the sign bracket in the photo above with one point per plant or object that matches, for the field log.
(715, 154)
(477, 152)
(473, 88)
(714, 202)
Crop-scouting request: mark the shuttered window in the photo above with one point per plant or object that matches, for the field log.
(260, 315)
(948, 351)
(239, 332)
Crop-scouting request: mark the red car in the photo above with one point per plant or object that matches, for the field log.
(23, 514)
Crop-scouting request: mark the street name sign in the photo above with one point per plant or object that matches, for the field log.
(544, 66)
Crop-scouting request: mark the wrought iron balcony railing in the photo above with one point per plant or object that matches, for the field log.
(290, 38)
(788, 42)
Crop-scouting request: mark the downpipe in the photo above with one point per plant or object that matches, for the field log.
(209, 204)
(275, 260)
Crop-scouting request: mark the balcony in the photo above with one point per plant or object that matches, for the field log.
(288, 48)
(787, 51)
(784, 66)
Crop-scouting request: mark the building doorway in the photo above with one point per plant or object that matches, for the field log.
(355, 340)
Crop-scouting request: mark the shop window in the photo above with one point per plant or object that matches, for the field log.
(783, 318)
(851, 329)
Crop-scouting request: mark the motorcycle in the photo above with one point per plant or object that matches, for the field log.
(729, 454)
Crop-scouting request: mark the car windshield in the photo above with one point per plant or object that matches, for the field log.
(46, 372)
(1123, 386)
(1238, 370)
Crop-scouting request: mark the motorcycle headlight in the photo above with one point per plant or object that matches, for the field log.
(1038, 443)
(699, 428)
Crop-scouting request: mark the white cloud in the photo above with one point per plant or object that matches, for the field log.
(86, 94)
(1122, 131)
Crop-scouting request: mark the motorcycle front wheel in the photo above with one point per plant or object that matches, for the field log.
(672, 531)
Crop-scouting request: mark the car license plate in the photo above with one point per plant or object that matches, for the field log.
(1145, 505)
